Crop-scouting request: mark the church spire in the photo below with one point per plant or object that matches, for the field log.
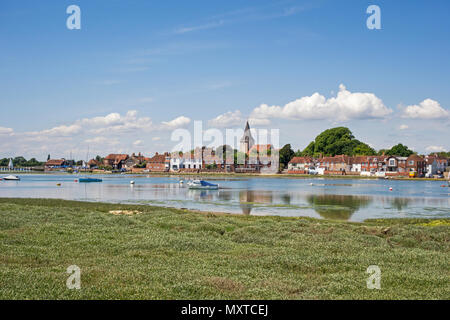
(247, 127)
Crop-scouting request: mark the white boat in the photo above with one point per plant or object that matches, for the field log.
(202, 185)
(11, 178)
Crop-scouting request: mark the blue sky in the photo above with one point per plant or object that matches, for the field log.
(137, 70)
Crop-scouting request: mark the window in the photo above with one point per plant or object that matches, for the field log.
(411, 162)
(392, 162)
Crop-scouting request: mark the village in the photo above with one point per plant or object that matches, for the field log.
(261, 159)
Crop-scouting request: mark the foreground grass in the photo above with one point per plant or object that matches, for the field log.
(174, 254)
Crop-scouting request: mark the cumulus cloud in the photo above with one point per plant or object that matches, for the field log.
(228, 119)
(403, 127)
(345, 106)
(176, 123)
(436, 149)
(427, 109)
(138, 143)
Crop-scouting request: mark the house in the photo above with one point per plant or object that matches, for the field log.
(55, 164)
(134, 161)
(192, 160)
(396, 164)
(416, 164)
(435, 165)
(93, 164)
(300, 163)
(370, 164)
(157, 163)
(176, 161)
(338, 163)
(116, 161)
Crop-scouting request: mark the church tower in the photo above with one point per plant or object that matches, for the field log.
(247, 140)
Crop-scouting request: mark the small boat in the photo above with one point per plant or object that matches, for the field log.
(11, 178)
(202, 185)
(90, 180)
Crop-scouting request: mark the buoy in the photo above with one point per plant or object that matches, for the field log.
(131, 182)
(390, 189)
(58, 184)
(76, 180)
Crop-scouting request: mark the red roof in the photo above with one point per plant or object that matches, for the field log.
(157, 158)
(301, 160)
(117, 157)
(55, 162)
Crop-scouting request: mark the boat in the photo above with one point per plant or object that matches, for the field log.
(89, 180)
(202, 185)
(11, 178)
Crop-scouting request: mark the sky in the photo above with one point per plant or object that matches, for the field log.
(138, 70)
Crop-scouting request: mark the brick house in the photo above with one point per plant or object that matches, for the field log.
(158, 163)
(341, 163)
(396, 164)
(417, 164)
(116, 161)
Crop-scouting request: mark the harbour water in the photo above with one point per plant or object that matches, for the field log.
(340, 199)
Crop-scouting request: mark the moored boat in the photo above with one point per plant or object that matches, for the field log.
(11, 178)
(89, 180)
(202, 185)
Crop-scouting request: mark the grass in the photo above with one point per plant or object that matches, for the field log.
(164, 253)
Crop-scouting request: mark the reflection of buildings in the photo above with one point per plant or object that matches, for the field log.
(247, 198)
(337, 207)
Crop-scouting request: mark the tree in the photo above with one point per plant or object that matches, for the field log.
(286, 153)
(399, 150)
(337, 141)
(48, 157)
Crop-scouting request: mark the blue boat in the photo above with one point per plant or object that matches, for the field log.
(89, 180)
(202, 185)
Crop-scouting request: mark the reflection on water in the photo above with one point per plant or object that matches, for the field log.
(400, 203)
(337, 207)
(354, 200)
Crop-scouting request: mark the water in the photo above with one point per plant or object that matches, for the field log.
(349, 199)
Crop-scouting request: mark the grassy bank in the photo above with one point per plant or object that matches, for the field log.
(163, 253)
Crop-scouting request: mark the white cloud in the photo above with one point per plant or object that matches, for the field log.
(156, 138)
(228, 119)
(59, 131)
(427, 109)
(6, 131)
(102, 141)
(258, 122)
(435, 149)
(138, 143)
(176, 123)
(345, 106)
(403, 127)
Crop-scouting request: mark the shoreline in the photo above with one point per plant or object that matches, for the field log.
(215, 174)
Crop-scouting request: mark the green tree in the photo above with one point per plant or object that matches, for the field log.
(19, 162)
(286, 153)
(399, 150)
(337, 141)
